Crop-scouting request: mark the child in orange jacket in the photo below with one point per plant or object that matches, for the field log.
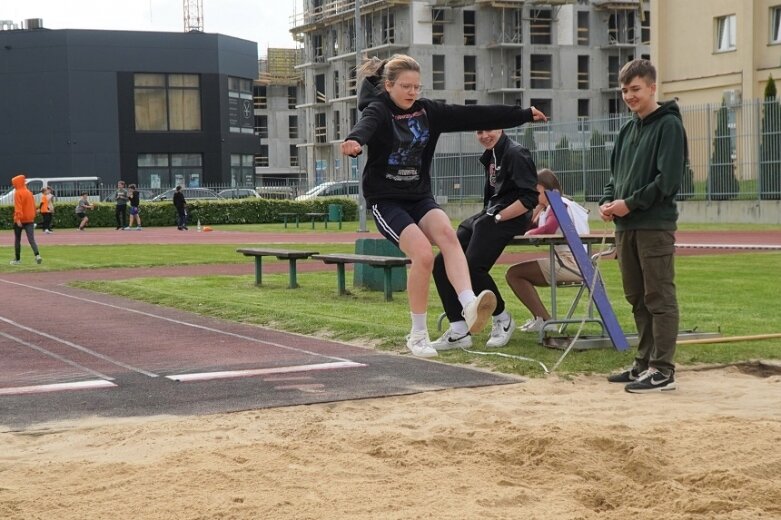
(24, 218)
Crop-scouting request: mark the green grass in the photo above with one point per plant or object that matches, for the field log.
(731, 294)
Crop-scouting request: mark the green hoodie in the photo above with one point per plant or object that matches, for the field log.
(647, 165)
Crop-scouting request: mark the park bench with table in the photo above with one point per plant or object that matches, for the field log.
(290, 255)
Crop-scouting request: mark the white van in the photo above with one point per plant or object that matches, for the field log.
(66, 189)
(347, 189)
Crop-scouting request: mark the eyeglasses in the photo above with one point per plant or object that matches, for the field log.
(410, 87)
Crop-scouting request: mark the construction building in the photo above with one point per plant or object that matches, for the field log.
(562, 56)
(276, 95)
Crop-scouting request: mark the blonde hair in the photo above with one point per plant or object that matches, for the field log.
(390, 69)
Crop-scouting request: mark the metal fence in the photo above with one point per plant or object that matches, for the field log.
(734, 154)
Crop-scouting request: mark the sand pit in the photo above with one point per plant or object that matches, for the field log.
(552, 448)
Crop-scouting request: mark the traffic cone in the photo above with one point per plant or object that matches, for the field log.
(199, 225)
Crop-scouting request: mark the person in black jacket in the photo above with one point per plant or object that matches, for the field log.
(181, 209)
(401, 133)
(509, 195)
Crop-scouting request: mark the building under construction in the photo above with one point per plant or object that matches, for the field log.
(562, 56)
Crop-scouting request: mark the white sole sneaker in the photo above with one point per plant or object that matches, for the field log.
(501, 337)
(478, 313)
(449, 342)
(420, 346)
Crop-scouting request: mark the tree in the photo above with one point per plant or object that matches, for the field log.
(722, 184)
(597, 167)
(527, 141)
(770, 145)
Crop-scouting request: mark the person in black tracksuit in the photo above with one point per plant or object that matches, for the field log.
(181, 209)
(401, 133)
(510, 195)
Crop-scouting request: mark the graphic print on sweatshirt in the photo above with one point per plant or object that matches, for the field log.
(410, 137)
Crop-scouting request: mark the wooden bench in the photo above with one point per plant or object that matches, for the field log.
(386, 262)
(314, 216)
(283, 254)
(285, 216)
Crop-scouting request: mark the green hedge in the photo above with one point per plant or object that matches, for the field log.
(242, 211)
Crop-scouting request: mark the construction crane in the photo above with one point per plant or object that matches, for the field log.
(193, 15)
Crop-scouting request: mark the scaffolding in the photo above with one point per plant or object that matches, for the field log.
(279, 67)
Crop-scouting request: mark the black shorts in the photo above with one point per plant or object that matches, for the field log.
(392, 216)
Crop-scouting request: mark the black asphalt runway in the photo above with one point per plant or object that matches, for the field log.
(69, 354)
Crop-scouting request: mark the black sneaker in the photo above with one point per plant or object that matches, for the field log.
(652, 381)
(624, 377)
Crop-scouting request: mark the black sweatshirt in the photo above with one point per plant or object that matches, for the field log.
(515, 175)
(401, 142)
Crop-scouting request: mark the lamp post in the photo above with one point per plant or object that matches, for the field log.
(358, 48)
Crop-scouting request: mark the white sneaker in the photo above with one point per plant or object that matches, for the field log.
(534, 325)
(479, 311)
(501, 333)
(449, 341)
(526, 324)
(16, 262)
(38, 259)
(419, 344)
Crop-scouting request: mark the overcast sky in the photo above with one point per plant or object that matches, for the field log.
(263, 21)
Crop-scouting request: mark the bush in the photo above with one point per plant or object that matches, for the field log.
(210, 212)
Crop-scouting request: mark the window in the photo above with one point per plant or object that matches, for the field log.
(621, 28)
(292, 97)
(645, 28)
(167, 102)
(470, 72)
(470, 101)
(317, 49)
(293, 155)
(240, 101)
(540, 75)
(437, 26)
(352, 82)
(320, 89)
(469, 27)
(292, 122)
(321, 133)
(583, 108)
(543, 105)
(337, 126)
(583, 28)
(368, 31)
(337, 89)
(775, 24)
(353, 117)
(242, 170)
(158, 170)
(438, 72)
(518, 71)
(388, 28)
(259, 96)
(583, 72)
(261, 159)
(613, 69)
(261, 126)
(725, 33)
(540, 26)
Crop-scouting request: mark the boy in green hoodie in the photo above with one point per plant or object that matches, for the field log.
(647, 165)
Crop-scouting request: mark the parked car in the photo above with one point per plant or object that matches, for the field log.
(189, 194)
(332, 189)
(238, 193)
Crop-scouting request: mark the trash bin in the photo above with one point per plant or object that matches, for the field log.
(335, 214)
(374, 277)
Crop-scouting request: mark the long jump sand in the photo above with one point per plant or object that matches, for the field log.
(548, 448)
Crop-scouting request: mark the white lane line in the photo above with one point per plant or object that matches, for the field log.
(56, 356)
(205, 376)
(57, 387)
(768, 247)
(79, 348)
(180, 322)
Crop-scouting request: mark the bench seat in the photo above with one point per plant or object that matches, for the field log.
(291, 255)
(387, 263)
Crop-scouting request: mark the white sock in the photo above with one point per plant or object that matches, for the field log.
(466, 297)
(418, 322)
(459, 328)
(504, 317)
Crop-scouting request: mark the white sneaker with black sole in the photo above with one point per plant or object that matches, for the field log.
(477, 313)
(449, 340)
(501, 333)
(419, 344)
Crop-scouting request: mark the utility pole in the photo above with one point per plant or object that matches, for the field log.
(358, 48)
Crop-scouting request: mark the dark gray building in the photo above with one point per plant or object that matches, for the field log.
(152, 108)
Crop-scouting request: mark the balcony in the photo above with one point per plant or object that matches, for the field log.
(616, 4)
(334, 11)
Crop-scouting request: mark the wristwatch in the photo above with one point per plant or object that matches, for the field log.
(498, 217)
